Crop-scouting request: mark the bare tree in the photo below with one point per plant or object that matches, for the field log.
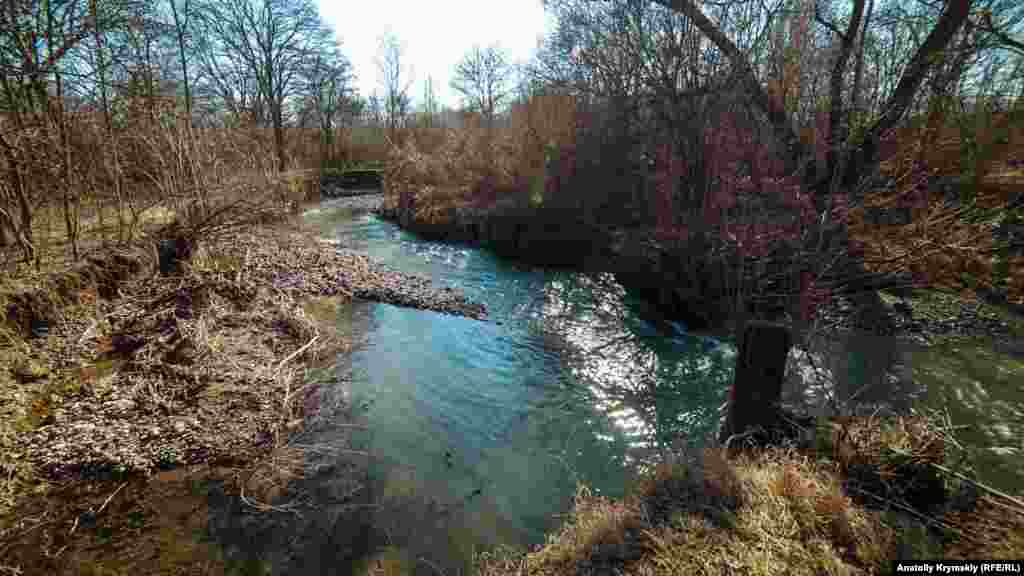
(482, 77)
(395, 78)
(925, 57)
(430, 106)
(328, 96)
(268, 43)
(36, 39)
(182, 12)
(374, 110)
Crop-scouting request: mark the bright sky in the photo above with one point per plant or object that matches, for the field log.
(435, 35)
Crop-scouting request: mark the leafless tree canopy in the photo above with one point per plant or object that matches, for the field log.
(482, 78)
(869, 62)
(268, 46)
(395, 79)
(91, 90)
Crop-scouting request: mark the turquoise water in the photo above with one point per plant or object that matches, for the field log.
(480, 432)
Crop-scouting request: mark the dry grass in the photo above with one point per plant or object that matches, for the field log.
(436, 174)
(106, 185)
(836, 510)
(599, 530)
(142, 371)
(794, 519)
(949, 244)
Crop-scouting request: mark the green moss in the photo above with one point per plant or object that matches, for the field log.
(29, 369)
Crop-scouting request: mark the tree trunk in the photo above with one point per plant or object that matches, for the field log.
(180, 24)
(865, 156)
(279, 136)
(838, 114)
(59, 120)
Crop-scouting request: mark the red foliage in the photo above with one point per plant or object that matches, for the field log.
(812, 297)
(666, 179)
(561, 177)
(747, 176)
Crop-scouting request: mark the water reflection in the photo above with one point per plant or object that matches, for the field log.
(484, 429)
(658, 391)
(976, 387)
(477, 433)
(982, 391)
(856, 372)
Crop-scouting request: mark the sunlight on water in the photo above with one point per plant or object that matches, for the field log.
(479, 433)
(983, 392)
(629, 367)
(980, 391)
(487, 428)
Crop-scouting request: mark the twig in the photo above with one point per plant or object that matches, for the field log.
(296, 353)
(908, 509)
(245, 264)
(975, 483)
(74, 526)
(87, 331)
(263, 507)
(11, 539)
(111, 497)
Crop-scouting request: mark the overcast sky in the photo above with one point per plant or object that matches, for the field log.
(434, 34)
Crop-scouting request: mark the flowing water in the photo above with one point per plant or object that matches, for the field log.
(479, 432)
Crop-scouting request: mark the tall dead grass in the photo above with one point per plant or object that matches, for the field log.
(956, 180)
(72, 182)
(783, 511)
(438, 173)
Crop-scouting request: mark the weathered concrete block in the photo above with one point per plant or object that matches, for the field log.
(760, 370)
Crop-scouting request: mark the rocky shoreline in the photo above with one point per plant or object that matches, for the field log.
(190, 369)
(136, 375)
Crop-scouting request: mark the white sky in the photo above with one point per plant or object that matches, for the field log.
(435, 35)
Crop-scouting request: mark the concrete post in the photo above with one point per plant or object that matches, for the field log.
(760, 369)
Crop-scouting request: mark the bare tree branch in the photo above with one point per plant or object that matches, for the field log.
(482, 78)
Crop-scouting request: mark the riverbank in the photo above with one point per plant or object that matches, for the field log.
(852, 499)
(128, 395)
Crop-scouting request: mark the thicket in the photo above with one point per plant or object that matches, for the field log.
(116, 113)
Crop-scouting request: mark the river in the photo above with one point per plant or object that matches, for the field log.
(479, 432)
